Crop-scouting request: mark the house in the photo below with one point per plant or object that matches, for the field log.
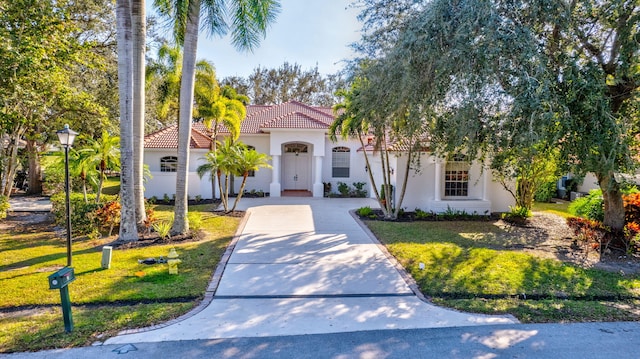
(303, 158)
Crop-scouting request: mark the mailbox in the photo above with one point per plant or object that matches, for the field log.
(61, 278)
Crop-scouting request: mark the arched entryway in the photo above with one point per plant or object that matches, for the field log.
(296, 167)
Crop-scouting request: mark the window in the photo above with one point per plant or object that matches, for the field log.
(252, 173)
(340, 162)
(168, 164)
(456, 177)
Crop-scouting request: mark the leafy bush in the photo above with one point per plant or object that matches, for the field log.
(632, 207)
(108, 216)
(517, 214)
(546, 192)
(163, 228)
(592, 233)
(343, 188)
(420, 214)
(83, 218)
(359, 191)
(365, 212)
(4, 206)
(590, 206)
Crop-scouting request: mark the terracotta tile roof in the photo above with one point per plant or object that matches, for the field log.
(295, 120)
(168, 138)
(292, 114)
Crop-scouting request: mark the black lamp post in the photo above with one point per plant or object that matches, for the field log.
(66, 137)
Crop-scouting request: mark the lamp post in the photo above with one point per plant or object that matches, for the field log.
(62, 278)
(66, 137)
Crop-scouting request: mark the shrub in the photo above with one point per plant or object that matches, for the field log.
(365, 211)
(420, 214)
(546, 192)
(632, 208)
(593, 233)
(163, 228)
(343, 188)
(150, 220)
(590, 206)
(83, 217)
(108, 215)
(517, 214)
(359, 189)
(4, 206)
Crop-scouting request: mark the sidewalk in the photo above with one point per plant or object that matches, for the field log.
(29, 204)
(305, 266)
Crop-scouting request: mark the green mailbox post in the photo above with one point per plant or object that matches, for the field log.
(60, 280)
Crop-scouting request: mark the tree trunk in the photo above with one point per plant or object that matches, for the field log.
(244, 182)
(35, 171)
(613, 203)
(139, 44)
(180, 223)
(404, 184)
(128, 228)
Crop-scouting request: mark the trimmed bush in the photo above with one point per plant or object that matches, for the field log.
(546, 192)
(83, 217)
(590, 206)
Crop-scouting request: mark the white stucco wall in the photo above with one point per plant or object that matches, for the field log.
(163, 183)
(357, 166)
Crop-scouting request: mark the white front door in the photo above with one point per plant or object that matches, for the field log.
(296, 171)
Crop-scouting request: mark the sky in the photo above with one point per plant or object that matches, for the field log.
(306, 32)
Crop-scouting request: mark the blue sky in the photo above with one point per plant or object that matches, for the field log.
(307, 32)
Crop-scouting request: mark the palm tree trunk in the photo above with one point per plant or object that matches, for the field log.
(101, 182)
(139, 44)
(128, 229)
(180, 224)
(225, 204)
(244, 182)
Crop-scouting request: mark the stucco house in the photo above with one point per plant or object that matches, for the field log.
(303, 158)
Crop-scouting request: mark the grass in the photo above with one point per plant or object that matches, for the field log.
(560, 209)
(105, 301)
(111, 185)
(467, 268)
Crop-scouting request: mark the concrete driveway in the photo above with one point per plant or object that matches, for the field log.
(306, 266)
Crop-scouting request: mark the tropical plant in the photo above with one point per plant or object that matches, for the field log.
(249, 160)
(103, 154)
(4, 206)
(249, 21)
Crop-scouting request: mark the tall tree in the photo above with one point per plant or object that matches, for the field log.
(217, 107)
(515, 73)
(249, 20)
(286, 83)
(128, 227)
(139, 76)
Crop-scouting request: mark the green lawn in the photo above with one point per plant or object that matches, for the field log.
(560, 209)
(127, 295)
(467, 268)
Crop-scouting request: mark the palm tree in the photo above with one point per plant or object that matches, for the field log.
(128, 228)
(139, 45)
(215, 108)
(249, 160)
(104, 154)
(168, 68)
(249, 19)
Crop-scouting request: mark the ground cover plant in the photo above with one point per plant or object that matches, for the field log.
(105, 301)
(530, 272)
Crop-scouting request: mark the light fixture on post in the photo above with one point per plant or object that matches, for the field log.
(66, 137)
(62, 278)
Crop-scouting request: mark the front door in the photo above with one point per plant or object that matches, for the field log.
(296, 167)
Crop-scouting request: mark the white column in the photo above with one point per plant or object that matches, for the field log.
(437, 182)
(274, 187)
(318, 187)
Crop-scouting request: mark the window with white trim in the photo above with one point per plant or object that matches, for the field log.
(456, 177)
(340, 162)
(169, 164)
